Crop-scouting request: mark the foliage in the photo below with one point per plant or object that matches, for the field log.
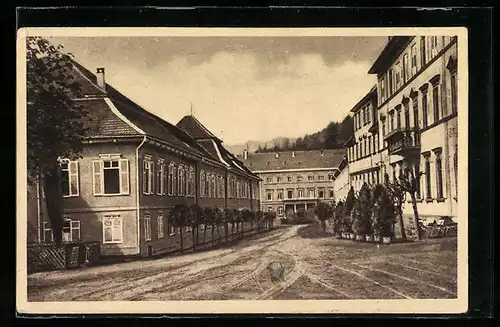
(177, 216)
(55, 123)
(365, 210)
(324, 212)
(194, 217)
(356, 218)
(338, 217)
(333, 136)
(376, 209)
(385, 218)
(348, 206)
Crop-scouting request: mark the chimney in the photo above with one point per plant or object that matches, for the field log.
(245, 154)
(101, 82)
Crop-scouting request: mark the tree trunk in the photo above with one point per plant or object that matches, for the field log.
(415, 213)
(204, 233)
(195, 237)
(53, 198)
(400, 217)
(182, 241)
(213, 232)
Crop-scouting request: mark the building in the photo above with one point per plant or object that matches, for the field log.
(416, 118)
(363, 147)
(295, 180)
(341, 181)
(135, 167)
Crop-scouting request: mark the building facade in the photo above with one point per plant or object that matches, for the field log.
(135, 168)
(293, 181)
(341, 181)
(414, 125)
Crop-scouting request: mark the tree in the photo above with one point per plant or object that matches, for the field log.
(348, 205)
(409, 183)
(397, 193)
(178, 217)
(219, 220)
(55, 123)
(346, 130)
(323, 211)
(331, 133)
(365, 209)
(228, 218)
(338, 217)
(376, 216)
(387, 216)
(247, 216)
(259, 215)
(207, 218)
(194, 218)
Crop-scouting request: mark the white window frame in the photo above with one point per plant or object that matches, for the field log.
(147, 227)
(171, 230)
(46, 228)
(280, 211)
(123, 169)
(71, 228)
(148, 176)
(160, 177)
(170, 180)
(113, 219)
(74, 174)
(160, 225)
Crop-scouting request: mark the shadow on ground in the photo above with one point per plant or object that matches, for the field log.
(313, 231)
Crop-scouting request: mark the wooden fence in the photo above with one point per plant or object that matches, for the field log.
(43, 257)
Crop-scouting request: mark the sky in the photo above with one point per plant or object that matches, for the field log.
(240, 88)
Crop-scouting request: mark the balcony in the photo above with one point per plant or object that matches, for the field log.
(404, 142)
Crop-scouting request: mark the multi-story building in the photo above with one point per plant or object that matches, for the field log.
(341, 181)
(135, 168)
(416, 117)
(295, 180)
(363, 148)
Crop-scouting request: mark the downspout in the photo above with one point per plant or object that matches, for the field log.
(137, 175)
(38, 210)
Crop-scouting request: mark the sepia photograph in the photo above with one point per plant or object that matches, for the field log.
(198, 170)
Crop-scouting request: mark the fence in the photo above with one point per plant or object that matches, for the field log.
(43, 257)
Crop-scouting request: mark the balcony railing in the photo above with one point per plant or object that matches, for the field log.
(403, 142)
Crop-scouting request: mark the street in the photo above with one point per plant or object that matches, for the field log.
(317, 266)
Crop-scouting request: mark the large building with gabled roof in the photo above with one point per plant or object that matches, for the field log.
(134, 168)
(295, 181)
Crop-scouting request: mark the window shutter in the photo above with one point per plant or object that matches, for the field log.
(73, 178)
(144, 177)
(124, 177)
(97, 176)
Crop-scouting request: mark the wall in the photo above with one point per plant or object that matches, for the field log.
(342, 185)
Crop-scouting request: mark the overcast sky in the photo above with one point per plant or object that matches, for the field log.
(246, 88)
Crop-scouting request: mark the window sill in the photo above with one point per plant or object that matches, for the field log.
(441, 199)
(70, 196)
(429, 200)
(420, 200)
(108, 195)
(120, 242)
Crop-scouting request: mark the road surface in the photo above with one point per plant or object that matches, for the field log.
(317, 266)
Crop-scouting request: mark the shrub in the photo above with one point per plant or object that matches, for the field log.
(338, 217)
(387, 217)
(348, 206)
(364, 206)
(323, 211)
(356, 218)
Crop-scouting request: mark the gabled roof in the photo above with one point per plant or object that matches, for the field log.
(390, 52)
(195, 128)
(329, 158)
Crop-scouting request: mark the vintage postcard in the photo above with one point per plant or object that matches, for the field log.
(242, 170)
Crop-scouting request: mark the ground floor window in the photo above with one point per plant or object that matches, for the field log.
(270, 209)
(71, 230)
(171, 230)
(47, 233)
(147, 227)
(159, 225)
(112, 229)
(280, 211)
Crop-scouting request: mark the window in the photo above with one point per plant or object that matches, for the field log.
(269, 209)
(48, 236)
(398, 113)
(279, 179)
(174, 180)
(331, 193)
(170, 180)
(289, 178)
(321, 177)
(406, 74)
(383, 128)
(269, 195)
(435, 101)
(424, 109)
(453, 82)
(310, 178)
(311, 193)
(280, 211)
(422, 51)
(413, 59)
(160, 178)
(300, 193)
(69, 178)
(289, 194)
(180, 179)
(415, 112)
(417, 181)
(280, 194)
(439, 176)
(392, 121)
(331, 177)
(202, 184)
(428, 178)
(171, 230)
(147, 176)
(398, 75)
(71, 230)
(112, 229)
(159, 225)
(382, 89)
(369, 145)
(110, 177)
(321, 193)
(391, 82)
(147, 227)
(407, 115)
(269, 179)
(434, 45)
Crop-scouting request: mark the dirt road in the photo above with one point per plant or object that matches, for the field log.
(316, 266)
